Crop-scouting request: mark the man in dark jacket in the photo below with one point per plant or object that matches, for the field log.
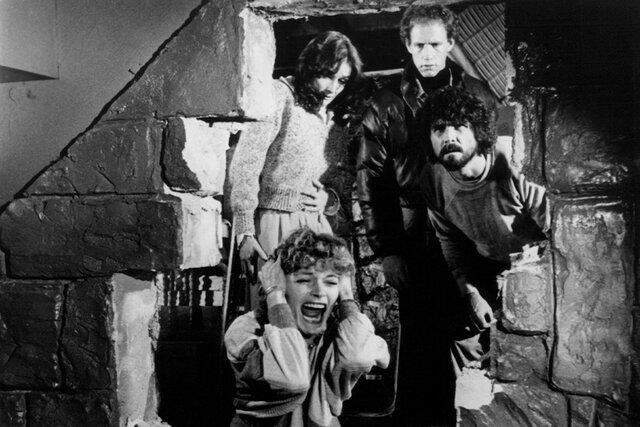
(390, 160)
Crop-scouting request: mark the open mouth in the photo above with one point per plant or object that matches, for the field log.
(313, 311)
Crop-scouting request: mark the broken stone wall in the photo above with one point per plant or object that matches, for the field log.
(564, 351)
(136, 194)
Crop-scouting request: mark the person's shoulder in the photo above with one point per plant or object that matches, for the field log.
(283, 87)
(245, 324)
(386, 102)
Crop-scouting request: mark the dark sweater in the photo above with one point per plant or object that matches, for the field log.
(494, 215)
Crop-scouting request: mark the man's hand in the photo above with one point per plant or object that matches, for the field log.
(479, 310)
(249, 247)
(346, 290)
(316, 199)
(395, 271)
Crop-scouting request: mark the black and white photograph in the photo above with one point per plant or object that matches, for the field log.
(319, 213)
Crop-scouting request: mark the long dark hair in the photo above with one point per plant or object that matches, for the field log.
(321, 58)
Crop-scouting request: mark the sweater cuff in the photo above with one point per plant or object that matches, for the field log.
(280, 316)
(348, 308)
(244, 223)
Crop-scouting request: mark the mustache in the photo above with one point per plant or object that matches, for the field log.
(450, 147)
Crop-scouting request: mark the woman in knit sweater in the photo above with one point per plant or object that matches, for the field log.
(277, 164)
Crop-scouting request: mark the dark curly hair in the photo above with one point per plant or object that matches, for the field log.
(304, 248)
(423, 13)
(321, 58)
(454, 106)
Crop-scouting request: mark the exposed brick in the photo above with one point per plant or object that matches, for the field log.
(527, 295)
(517, 357)
(588, 143)
(87, 347)
(13, 409)
(197, 73)
(119, 157)
(594, 278)
(91, 236)
(94, 408)
(30, 323)
(519, 405)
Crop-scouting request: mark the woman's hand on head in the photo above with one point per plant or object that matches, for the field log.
(316, 199)
(272, 276)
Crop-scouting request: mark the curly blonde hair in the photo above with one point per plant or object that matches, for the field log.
(304, 248)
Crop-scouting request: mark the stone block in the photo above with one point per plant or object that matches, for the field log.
(594, 280)
(588, 143)
(118, 157)
(201, 231)
(135, 305)
(91, 236)
(516, 405)
(204, 70)
(87, 348)
(586, 411)
(92, 408)
(518, 357)
(193, 156)
(13, 409)
(527, 294)
(30, 323)
(582, 410)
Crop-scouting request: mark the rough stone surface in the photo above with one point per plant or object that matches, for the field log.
(588, 143)
(91, 236)
(13, 409)
(517, 357)
(587, 412)
(519, 405)
(197, 73)
(93, 408)
(193, 156)
(119, 157)
(582, 410)
(135, 304)
(201, 231)
(634, 393)
(314, 8)
(30, 323)
(258, 57)
(527, 295)
(594, 281)
(87, 349)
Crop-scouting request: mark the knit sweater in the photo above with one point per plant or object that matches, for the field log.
(493, 216)
(281, 378)
(277, 158)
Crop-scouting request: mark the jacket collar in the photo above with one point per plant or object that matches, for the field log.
(413, 93)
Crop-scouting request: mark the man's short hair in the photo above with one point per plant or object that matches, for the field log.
(454, 106)
(422, 13)
(304, 248)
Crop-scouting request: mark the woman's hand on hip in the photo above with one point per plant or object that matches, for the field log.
(316, 199)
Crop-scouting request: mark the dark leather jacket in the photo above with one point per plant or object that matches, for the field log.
(390, 159)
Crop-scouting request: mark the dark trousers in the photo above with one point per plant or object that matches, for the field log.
(426, 380)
